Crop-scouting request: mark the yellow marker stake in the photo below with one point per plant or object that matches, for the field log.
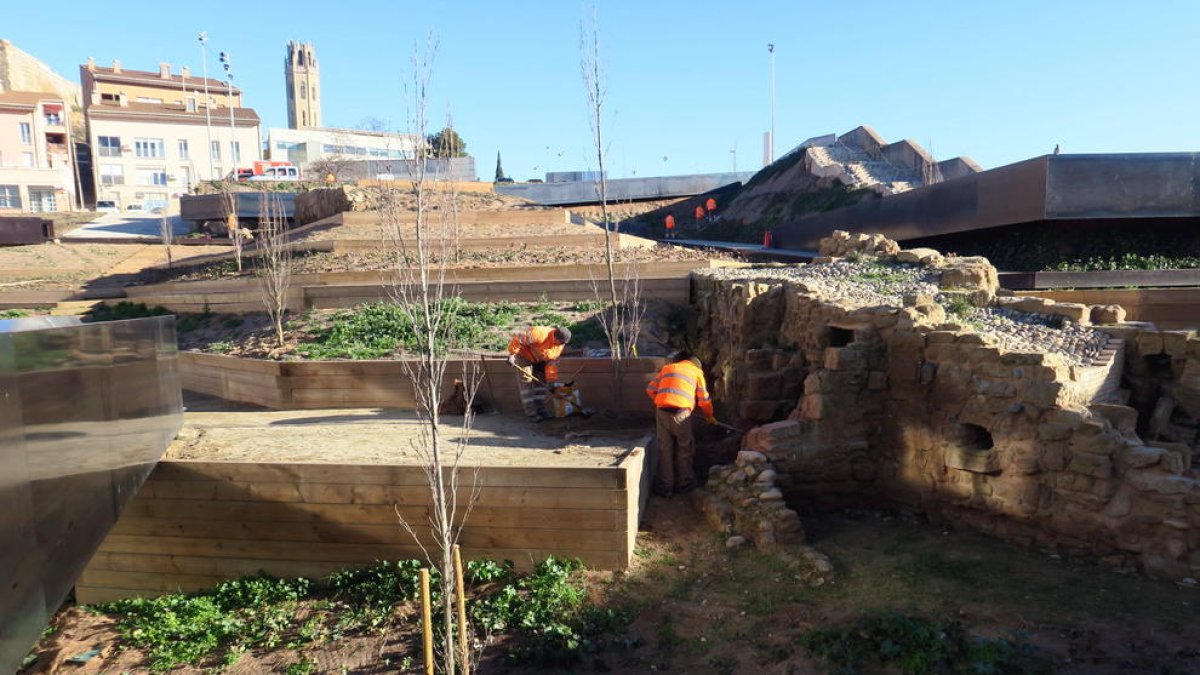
(426, 622)
(461, 593)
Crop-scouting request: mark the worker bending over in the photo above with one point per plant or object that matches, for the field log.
(677, 389)
(535, 351)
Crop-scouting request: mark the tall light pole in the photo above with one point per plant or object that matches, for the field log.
(203, 37)
(771, 50)
(228, 64)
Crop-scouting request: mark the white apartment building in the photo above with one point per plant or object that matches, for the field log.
(305, 146)
(36, 167)
(154, 136)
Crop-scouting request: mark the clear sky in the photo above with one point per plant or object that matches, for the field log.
(688, 80)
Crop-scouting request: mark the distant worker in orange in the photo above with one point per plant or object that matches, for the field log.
(535, 351)
(677, 389)
(670, 222)
(699, 214)
(710, 205)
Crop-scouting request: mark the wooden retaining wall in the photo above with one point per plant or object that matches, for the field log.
(468, 218)
(295, 385)
(196, 523)
(1169, 308)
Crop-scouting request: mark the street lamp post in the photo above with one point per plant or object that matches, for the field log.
(227, 62)
(771, 49)
(203, 37)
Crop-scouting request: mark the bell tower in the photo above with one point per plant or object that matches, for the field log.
(303, 83)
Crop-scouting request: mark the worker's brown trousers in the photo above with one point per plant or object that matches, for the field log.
(533, 393)
(676, 450)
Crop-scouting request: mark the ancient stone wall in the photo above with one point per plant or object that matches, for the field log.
(1001, 414)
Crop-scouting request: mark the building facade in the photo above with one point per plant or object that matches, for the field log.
(303, 77)
(36, 168)
(154, 136)
(306, 147)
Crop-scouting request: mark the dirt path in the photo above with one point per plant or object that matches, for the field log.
(374, 435)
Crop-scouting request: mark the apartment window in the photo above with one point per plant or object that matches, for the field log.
(216, 151)
(149, 99)
(183, 148)
(27, 160)
(152, 177)
(42, 199)
(185, 173)
(235, 151)
(112, 174)
(110, 98)
(10, 198)
(110, 146)
(149, 148)
(191, 104)
(26, 134)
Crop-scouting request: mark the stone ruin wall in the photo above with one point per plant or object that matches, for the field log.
(896, 405)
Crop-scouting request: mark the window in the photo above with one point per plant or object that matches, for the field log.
(152, 177)
(27, 160)
(110, 98)
(216, 151)
(26, 134)
(183, 148)
(235, 149)
(303, 119)
(149, 99)
(9, 197)
(186, 175)
(112, 174)
(42, 199)
(149, 148)
(191, 104)
(303, 90)
(110, 146)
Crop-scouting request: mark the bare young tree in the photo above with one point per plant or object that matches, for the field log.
(622, 321)
(233, 225)
(429, 305)
(274, 260)
(931, 173)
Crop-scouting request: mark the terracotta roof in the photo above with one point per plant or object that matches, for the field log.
(27, 99)
(107, 74)
(170, 112)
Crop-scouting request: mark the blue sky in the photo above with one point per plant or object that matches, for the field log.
(688, 81)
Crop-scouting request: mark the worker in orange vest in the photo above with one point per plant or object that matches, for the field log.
(670, 227)
(710, 205)
(678, 389)
(699, 214)
(535, 351)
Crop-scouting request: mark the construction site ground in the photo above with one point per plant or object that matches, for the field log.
(69, 265)
(701, 607)
(216, 430)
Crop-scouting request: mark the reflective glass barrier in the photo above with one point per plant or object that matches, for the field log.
(86, 410)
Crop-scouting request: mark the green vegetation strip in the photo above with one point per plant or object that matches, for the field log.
(545, 614)
(917, 646)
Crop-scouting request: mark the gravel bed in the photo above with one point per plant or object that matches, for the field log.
(1026, 332)
(866, 284)
(862, 284)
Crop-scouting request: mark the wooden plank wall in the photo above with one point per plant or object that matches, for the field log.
(194, 524)
(385, 384)
(1169, 308)
(469, 218)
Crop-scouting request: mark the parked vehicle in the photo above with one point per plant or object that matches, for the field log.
(107, 206)
(268, 170)
(135, 207)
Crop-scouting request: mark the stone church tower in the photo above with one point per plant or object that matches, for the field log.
(303, 81)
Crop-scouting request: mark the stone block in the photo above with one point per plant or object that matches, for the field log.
(920, 256)
(764, 386)
(1037, 305)
(1104, 315)
(1087, 464)
(1121, 417)
(750, 457)
(975, 461)
(917, 299)
(1139, 456)
(844, 358)
(1159, 482)
(1175, 342)
(812, 407)
(1149, 343)
(1053, 457)
(1073, 311)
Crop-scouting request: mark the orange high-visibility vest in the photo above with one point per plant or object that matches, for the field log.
(680, 385)
(710, 205)
(670, 222)
(537, 344)
(699, 213)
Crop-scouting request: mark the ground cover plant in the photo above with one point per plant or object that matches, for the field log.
(540, 618)
(383, 330)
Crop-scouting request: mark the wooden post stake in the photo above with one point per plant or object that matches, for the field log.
(426, 622)
(461, 593)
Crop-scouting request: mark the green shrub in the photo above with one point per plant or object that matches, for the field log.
(123, 310)
(219, 347)
(917, 646)
(13, 314)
